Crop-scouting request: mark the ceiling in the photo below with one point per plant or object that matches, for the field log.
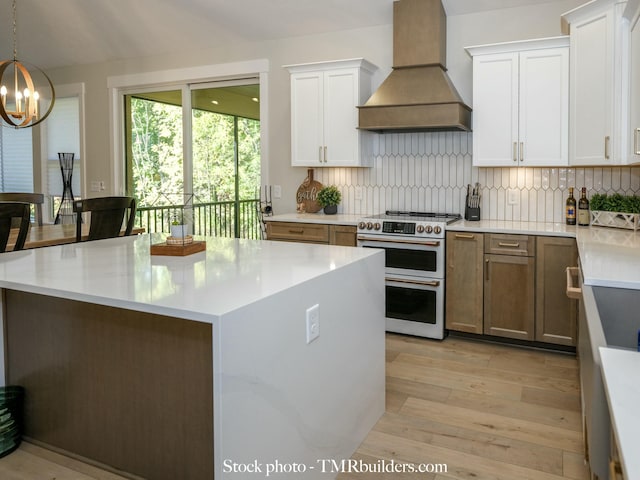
(76, 32)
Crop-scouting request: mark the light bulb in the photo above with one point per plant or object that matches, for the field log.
(26, 93)
(3, 90)
(18, 95)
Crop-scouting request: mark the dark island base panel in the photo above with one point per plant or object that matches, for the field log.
(126, 389)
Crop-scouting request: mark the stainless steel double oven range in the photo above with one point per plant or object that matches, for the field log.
(414, 244)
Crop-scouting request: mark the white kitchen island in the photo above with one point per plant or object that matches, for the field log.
(191, 367)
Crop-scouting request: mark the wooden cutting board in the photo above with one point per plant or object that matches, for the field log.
(306, 194)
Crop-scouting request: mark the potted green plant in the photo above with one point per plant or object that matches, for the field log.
(616, 210)
(179, 229)
(329, 197)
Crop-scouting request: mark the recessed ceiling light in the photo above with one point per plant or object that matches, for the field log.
(255, 99)
(215, 102)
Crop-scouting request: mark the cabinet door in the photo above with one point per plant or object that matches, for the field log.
(341, 118)
(591, 91)
(464, 253)
(544, 107)
(556, 314)
(495, 109)
(307, 119)
(509, 289)
(344, 235)
(634, 103)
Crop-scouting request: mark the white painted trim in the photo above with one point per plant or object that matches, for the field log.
(519, 46)
(333, 64)
(118, 85)
(188, 75)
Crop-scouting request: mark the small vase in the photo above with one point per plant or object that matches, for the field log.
(179, 231)
(331, 209)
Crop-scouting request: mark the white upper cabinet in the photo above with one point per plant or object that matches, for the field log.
(324, 114)
(633, 16)
(599, 115)
(521, 103)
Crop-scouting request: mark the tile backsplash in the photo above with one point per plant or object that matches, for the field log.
(430, 172)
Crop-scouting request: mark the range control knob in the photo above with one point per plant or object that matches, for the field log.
(420, 228)
(369, 225)
(362, 225)
(437, 230)
(428, 229)
(376, 226)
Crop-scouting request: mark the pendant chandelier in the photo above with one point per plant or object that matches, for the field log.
(23, 103)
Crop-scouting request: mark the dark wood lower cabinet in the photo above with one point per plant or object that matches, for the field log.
(129, 390)
(463, 305)
(509, 290)
(556, 314)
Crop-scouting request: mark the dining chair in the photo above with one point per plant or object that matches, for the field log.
(36, 199)
(107, 215)
(9, 211)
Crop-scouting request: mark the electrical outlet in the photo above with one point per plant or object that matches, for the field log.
(358, 193)
(513, 196)
(313, 323)
(102, 185)
(277, 191)
(95, 186)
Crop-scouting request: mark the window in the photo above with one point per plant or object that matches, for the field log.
(183, 160)
(16, 160)
(62, 133)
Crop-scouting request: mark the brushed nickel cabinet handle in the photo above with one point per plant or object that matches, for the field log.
(522, 151)
(486, 270)
(636, 133)
(607, 140)
(320, 154)
(325, 154)
(515, 151)
(300, 231)
(510, 245)
(465, 235)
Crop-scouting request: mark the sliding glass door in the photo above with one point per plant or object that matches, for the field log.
(218, 173)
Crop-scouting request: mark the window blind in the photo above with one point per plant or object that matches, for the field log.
(16, 160)
(63, 136)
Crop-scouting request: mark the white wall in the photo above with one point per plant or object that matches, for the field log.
(374, 44)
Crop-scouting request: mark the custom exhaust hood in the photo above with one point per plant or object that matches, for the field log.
(418, 94)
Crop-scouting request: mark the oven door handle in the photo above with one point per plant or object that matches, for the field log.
(428, 243)
(427, 283)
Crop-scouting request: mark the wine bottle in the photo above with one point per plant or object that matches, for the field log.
(570, 212)
(583, 208)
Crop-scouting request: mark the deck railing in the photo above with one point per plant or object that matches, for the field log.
(216, 219)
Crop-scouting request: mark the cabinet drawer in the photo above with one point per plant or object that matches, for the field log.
(298, 232)
(343, 235)
(502, 244)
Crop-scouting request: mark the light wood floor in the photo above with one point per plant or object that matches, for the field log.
(486, 411)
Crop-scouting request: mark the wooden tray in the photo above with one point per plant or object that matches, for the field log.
(178, 250)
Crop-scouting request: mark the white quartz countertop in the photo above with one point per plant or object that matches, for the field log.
(514, 227)
(337, 219)
(120, 272)
(620, 373)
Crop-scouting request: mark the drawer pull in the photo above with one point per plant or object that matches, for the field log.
(572, 290)
(298, 231)
(510, 245)
(465, 235)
